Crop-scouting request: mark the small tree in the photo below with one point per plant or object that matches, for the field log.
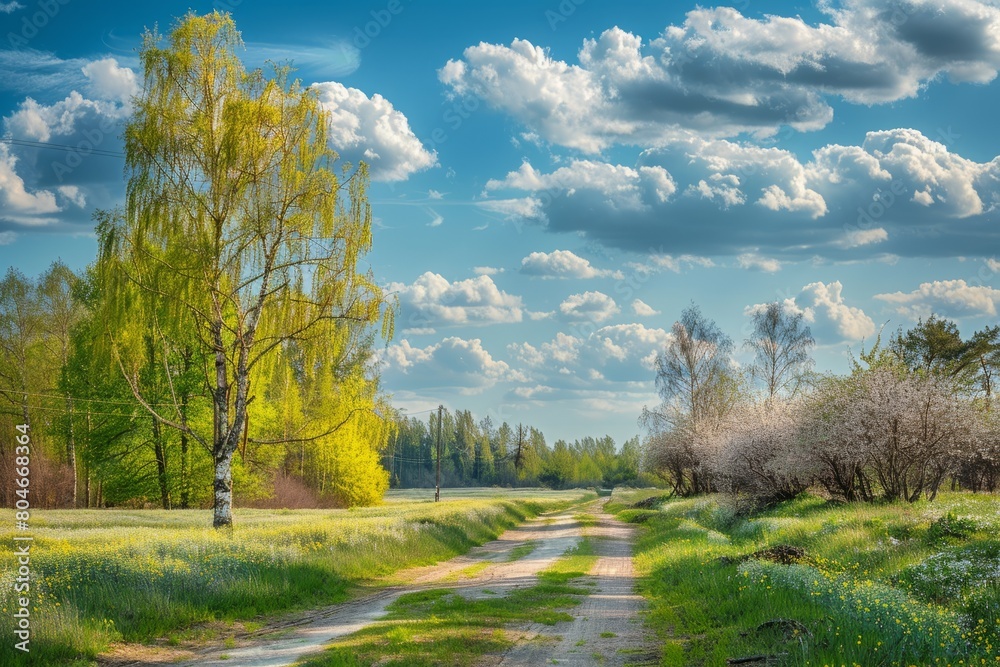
(761, 454)
(695, 379)
(781, 342)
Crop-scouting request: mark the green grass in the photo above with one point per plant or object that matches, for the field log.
(889, 584)
(439, 626)
(521, 550)
(102, 576)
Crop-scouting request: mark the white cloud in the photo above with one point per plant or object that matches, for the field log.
(616, 357)
(755, 262)
(371, 129)
(622, 187)
(486, 270)
(829, 318)
(643, 309)
(434, 194)
(523, 207)
(40, 122)
(823, 307)
(562, 264)
(108, 81)
(592, 306)
(859, 237)
(731, 198)
(73, 194)
(17, 199)
(659, 262)
(455, 363)
(433, 301)
(627, 91)
(6, 238)
(948, 298)
(10, 7)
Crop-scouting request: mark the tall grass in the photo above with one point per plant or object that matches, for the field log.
(100, 576)
(891, 584)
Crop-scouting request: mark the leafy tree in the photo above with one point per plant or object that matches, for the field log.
(933, 346)
(20, 333)
(236, 232)
(781, 342)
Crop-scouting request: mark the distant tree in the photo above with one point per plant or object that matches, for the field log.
(934, 345)
(781, 342)
(20, 335)
(695, 380)
(983, 355)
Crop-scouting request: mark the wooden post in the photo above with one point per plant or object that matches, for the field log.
(437, 485)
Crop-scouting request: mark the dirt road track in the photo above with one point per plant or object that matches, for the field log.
(607, 627)
(611, 610)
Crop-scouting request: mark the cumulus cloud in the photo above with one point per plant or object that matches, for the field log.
(20, 203)
(948, 298)
(845, 202)
(371, 129)
(41, 122)
(10, 7)
(454, 363)
(109, 81)
(562, 264)
(643, 309)
(822, 306)
(431, 300)
(592, 306)
(722, 73)
(621, 356)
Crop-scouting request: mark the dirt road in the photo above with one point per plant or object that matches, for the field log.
(606, 629)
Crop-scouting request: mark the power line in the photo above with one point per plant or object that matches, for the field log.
(61, 147)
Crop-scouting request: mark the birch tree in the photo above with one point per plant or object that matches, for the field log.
(237, 232)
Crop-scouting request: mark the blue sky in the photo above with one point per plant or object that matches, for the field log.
(555, 181)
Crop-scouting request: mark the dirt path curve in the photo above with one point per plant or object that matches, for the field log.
(282, 644)
(607, 629)
(612, 608)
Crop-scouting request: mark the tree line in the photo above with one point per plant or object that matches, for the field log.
(913, 413)
(97, 445)
(483, 453)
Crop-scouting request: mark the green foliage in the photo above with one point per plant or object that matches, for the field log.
(951, 526)
(871, 589)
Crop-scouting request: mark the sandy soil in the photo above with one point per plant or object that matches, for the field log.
(612, 609)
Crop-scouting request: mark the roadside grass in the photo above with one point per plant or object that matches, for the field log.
(878, 584)
(440, 627)
(521, 550)
(105, 576)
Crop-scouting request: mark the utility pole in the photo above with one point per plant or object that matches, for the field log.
(437, 485)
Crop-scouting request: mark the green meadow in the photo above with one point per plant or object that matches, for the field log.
(105, 576)
(813, 583)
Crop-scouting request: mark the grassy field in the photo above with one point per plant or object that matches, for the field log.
(816, 583)
(440, 627)
(103, 576)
